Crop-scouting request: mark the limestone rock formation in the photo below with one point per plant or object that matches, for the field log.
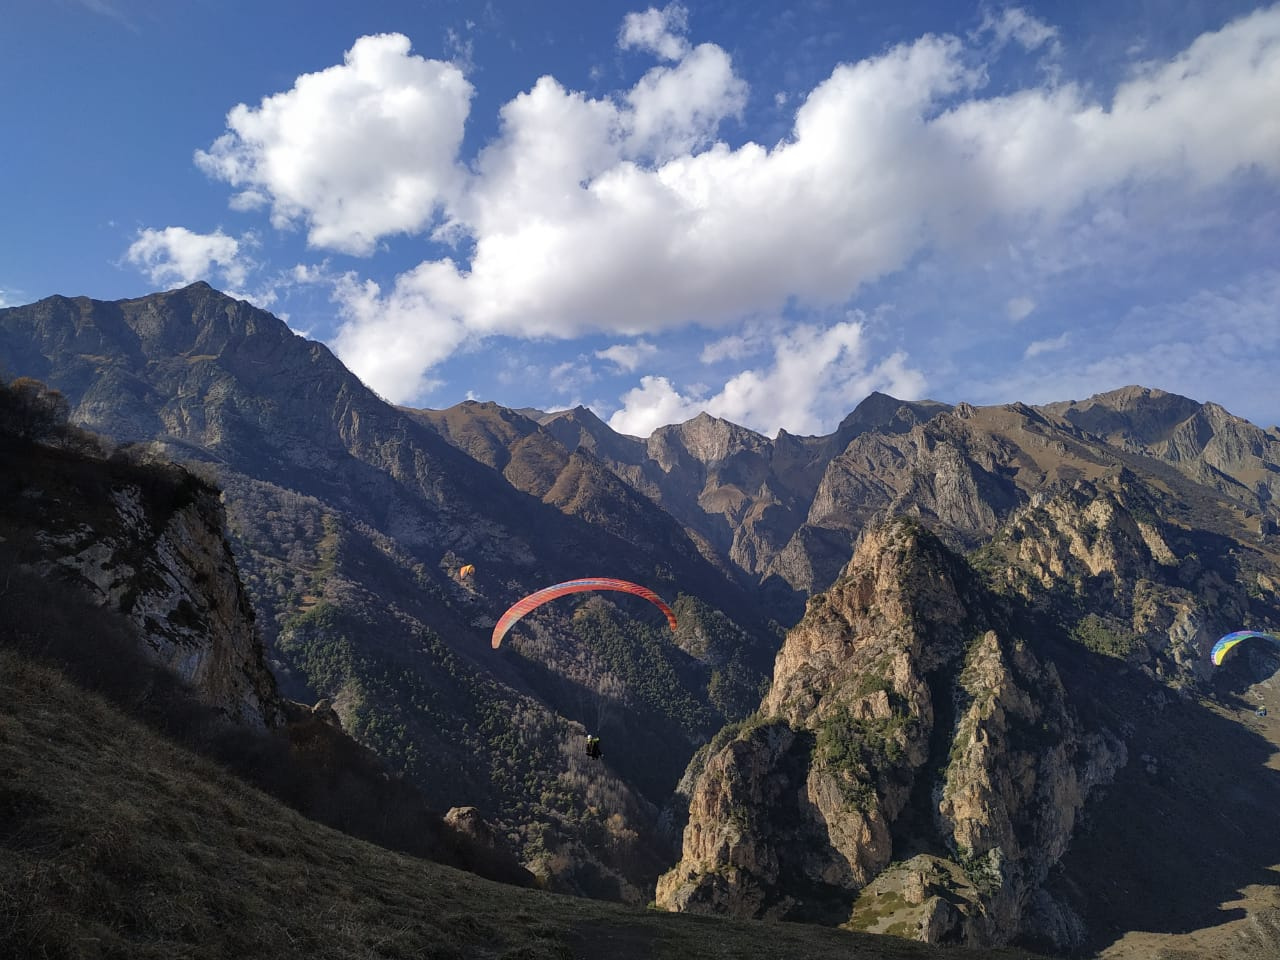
(147, 540)
(907, 716)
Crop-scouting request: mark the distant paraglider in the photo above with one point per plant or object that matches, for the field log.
(538, 598)
(1223, 646)
(466, 571)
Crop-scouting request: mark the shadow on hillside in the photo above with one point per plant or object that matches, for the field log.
(1192, 819)
(308, 764)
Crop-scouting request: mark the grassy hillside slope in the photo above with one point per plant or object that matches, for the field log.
(116, 843)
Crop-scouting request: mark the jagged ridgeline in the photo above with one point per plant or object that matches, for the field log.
(973, 715)
(350, 520)
(1012, 746)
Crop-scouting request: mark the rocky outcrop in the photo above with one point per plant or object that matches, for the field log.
(470, 822)
(194, 612)
(146, 540)
(1019, 772)
(1202, 440)
(963, 471)
(906, 715)
(742, 493)
(1129, 584)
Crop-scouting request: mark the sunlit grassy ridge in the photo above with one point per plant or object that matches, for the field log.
(114, 842)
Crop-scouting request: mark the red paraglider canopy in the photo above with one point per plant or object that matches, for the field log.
(538, 598)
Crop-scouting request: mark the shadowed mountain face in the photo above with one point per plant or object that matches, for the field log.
(966, 719)
(351, 520)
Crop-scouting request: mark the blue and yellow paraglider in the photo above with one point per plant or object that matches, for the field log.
(1223, 646)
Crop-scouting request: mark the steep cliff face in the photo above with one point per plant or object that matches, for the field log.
(351, 519)
(742, 493)
(1099, 558)
(906, 718)
(963, 471)
(189, 602)
(148, 541)
(937, 727)
(1021, 767)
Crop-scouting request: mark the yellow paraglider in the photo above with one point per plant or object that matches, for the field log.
(466, 571)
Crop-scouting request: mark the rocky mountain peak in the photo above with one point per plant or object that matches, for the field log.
(879, 411)
(900, 575)
(907, 718)
(580, 427)
(1134, 413)
(1202, 440)
(583, 416)
(707, 439)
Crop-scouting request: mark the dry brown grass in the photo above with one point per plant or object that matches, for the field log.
(116, 843)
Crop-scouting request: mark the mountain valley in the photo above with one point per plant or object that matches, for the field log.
(942, 674)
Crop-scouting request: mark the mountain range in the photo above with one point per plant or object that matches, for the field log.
(929, 667)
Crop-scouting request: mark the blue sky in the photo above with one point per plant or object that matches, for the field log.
(760, 211)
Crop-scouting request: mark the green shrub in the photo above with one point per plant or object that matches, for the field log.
(1093, 633)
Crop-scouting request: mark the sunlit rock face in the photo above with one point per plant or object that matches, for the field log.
(907, 715)
(169, 569)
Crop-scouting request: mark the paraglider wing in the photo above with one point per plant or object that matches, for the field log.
(1223, 646)
(466, 571)
(538, 598)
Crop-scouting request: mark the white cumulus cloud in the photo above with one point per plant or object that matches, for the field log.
(176, 256)
(571, 376)
(574, 232)
(1014, 23)
(628, 356)
(676, 110)
(390, 340)
(356, 152)
(817, 375)
(1191, 122)
(753, 338)
(1019, 308)
(660, 32)
(1037, 347)
(653, 404)
(629, 214)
